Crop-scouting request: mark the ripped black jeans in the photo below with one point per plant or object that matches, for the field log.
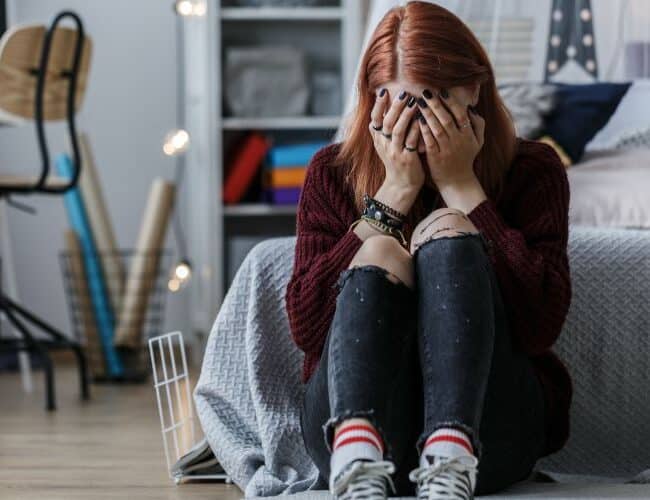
(414, 360)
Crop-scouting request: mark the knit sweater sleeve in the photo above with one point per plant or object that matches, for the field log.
(324, 248)
(529, 252)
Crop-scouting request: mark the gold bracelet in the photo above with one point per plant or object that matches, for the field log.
(383, 228)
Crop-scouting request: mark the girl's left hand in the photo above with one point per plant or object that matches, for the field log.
(452, 139)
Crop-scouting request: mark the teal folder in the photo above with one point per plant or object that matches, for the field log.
(96, 282)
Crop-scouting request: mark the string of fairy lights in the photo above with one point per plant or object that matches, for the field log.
(177, 142)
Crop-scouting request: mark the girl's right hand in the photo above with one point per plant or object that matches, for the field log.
(393, 126)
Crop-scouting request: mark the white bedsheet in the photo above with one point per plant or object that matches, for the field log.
(611, 189)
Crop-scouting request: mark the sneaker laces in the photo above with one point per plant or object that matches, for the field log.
(363, 479)
(445, 478)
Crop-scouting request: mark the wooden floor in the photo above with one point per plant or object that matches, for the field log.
(107, 448)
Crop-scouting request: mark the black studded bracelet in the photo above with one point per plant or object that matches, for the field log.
(383, 213)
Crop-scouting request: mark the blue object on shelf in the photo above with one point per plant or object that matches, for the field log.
(96, 282)
(292, 154)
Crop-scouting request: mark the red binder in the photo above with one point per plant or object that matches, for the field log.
(241, 170)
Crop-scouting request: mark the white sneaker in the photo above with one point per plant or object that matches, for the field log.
(446, 478)
(363, 479)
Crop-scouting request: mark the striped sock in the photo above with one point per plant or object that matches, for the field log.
(446, 442)
(355, 441)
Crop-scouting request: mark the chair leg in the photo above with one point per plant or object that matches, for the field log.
(31, 317)
(34, 346)
(82, 368)
(82, 365)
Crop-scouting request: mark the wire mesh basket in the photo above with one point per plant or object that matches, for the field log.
(116, 302)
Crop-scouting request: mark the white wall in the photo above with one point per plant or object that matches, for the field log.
(130, 105)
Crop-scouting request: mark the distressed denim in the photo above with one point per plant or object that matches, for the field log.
(414, 360)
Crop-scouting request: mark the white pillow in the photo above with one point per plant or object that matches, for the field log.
(632, 114)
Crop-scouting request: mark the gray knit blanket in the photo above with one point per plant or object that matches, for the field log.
(249, 391)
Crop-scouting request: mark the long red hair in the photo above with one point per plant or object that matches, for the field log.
(425, 43)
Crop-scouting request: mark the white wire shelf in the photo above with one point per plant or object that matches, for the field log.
(282, 122)
(258, 209)
(281, 13)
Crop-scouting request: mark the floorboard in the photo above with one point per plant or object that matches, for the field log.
(107, 448)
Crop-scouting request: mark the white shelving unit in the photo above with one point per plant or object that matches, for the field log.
(331, 36)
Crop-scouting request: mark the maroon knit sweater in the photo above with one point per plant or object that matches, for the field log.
(527, 231)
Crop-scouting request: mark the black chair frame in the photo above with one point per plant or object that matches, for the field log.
(16, 314)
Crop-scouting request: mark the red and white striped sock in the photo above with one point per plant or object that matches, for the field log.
(446, 442)
(355, 441)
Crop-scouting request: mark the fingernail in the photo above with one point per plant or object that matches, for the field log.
(382, 92)
(422, 119)
(402, 95)
(410, 102)
(427, 94)
(443, 93)
(417, 115)
(422, 103)
(472, 109)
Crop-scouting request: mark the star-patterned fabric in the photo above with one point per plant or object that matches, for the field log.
(571, 38)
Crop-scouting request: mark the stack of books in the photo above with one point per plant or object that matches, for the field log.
(285, 170)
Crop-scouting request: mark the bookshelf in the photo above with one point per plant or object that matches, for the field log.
(219, 235)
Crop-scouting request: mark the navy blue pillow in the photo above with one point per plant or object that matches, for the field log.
(580, 111)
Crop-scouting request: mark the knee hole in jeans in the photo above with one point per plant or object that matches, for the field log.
(386, 253)
(441, 223)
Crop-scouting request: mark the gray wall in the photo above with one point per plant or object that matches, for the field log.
(129, 107)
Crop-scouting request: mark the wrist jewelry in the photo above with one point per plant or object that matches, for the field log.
(383, 228)
(391, 211)
(383, 213)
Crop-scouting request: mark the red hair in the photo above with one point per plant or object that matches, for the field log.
(425, 43)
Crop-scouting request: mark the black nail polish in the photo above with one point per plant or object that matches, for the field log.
(382, 92)
(427, 94)
(418, 115)
(402, 95)
(410, 102)
(422, 119)
(422, 103)
(444, 94)
(472, 109)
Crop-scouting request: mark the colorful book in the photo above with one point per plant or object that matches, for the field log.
(242, 169)
(282, 196)
(96, 284)
(284, 177)
(79, 287)
(292, 154)
(144, 264)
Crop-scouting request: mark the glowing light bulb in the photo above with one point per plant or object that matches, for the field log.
(184, 7)
(179, 276)
(176, 142)
(200, 8)
(174, 285)
(187, 8)
(183, 271)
